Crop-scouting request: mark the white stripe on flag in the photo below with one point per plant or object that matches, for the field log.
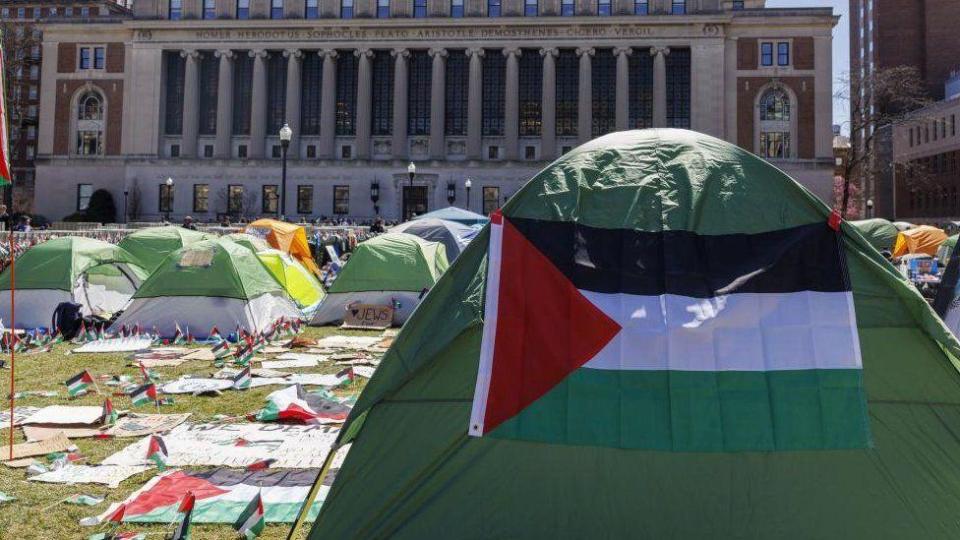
(489, 329)
(736, 332)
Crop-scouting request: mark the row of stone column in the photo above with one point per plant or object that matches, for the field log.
(437, 147)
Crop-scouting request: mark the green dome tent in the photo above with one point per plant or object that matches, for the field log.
(249, 241)
(153, 244)
(99, 276)
(879, 232)
(663, 336)
(205, 284)
(456, 214)
(389, 269)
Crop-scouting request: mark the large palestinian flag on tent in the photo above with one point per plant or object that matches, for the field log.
(660, 335)
(222, 495)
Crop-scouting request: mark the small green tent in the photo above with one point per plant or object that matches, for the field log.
(99, 276)
(389, 269)
(879, 232)
(153, 244)
(211, 283)
(661, 336)
(249, 241)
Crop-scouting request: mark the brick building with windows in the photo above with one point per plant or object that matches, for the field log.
(22, 23)
(196, 91)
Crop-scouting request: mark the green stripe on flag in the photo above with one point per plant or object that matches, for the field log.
(217, 510)
(700, 411)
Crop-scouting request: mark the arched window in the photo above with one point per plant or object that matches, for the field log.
(90, 116)
(775, 124)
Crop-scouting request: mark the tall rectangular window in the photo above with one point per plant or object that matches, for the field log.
(312, 9)
(173, 104)
(456, 8)
(603, 8)
(346, 9)
(176, 10)
(456, 87)
(276, 92)
(270, 199)
(567, 8)
(640, 77)
(678, 88)
(531, 8)
(679, 7)
(418, 94)
(346, 93)
(304, 199)
(209, 9)
(310, 100)
(165, 200)
(737, 5)
(382, 93)
(276, 9)
(235, 199)
(209, 75)
(419, 9)
(242, 93)
(493, 8)
(567, 92)
(383, 9)
(491, 199)
(494, 75)
(604, 92)
(531, 92)
(641, 7)
(243, 9)
(341, 200)
(99, 57)
(84, 192)
(84, 57)
(201, 198)
(766, 53)
(783, 53)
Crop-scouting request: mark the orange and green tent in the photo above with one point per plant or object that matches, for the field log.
(286, 237)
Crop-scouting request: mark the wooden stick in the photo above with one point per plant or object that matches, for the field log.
(13, 334)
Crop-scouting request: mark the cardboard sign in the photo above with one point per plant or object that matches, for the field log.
(46, 431)
(109, 475)
(66, 415)
(19, 415)
(138, 425)
(368, 317)
(237, 445)
(57, 443)
(195, 386)
(347, 342)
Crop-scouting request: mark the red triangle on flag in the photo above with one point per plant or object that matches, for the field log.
(545, 329)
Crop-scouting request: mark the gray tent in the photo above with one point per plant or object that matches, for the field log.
(454, 236)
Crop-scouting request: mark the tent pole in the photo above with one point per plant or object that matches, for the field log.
(312, 495)
(13, 337)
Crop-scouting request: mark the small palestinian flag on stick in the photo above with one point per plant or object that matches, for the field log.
(244, 356)
(221, 350)
(78, 384)
(215, 335)
(251, 522)
(182, 532)
(178, 338)
(148, 375)
(157, 452)
(144, 394)
(109, 416)
(242, 380)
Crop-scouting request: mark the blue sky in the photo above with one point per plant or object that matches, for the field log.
(841, 45)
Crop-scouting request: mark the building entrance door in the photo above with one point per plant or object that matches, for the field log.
(414, 201)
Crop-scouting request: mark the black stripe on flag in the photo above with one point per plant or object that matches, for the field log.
(804, 258)
(264, 478)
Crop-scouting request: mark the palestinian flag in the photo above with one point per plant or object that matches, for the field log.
(222, 495)
(91, 334)
(243, 356)
(215, 335)
(178, 337)
(147, 374)
(157, 452)
(673, 313)
(78, 384)
(296, 406)
(251, 521)
(5, 177)
(221, 350)
(242, 380)
(109, 416)
(144, 394)
(261, 465)
(182, 531)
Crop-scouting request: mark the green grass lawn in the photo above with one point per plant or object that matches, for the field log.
(37, 514)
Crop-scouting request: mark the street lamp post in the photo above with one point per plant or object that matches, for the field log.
(169, 201)
(411, 174)
(869, 208)
(285, 135)
(375, 196)
(451, 193)
(468, 184)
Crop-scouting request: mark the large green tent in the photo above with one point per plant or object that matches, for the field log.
(211, 283)
(389, 269)
(99, 276)
(862, 445)
(879, 232)
(153, 244)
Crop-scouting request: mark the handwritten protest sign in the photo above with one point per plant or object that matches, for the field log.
(368, 317)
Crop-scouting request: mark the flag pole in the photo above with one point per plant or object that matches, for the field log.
(13, 336)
